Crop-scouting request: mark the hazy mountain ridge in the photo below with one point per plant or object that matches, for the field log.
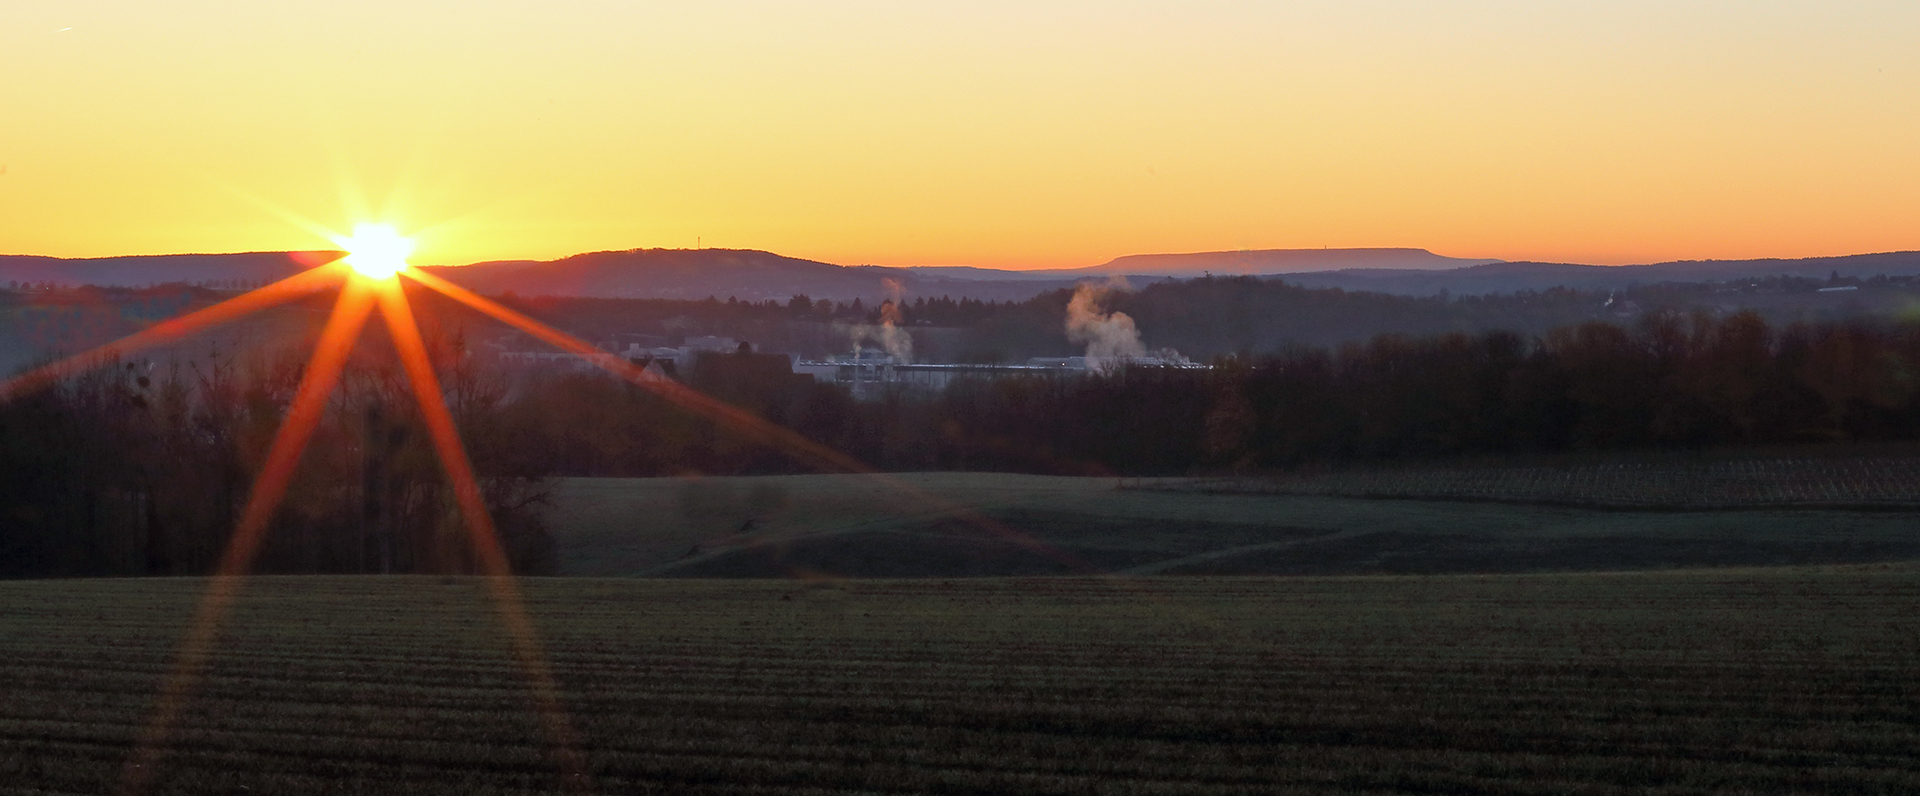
(1258, 262)
(746, 274)
(651, 273)
(755, 275)
(1508, 277)
(155, 269)
(1247, 262)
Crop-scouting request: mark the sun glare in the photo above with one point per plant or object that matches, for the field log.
(376, 251)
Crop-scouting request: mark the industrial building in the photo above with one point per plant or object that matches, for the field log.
(871, 373)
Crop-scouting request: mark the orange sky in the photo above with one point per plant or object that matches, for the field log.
(1002, 134)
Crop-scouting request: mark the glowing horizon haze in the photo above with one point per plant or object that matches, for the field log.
(998, 134)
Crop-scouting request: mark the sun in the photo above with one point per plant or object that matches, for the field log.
(376, 251)
(367, 281)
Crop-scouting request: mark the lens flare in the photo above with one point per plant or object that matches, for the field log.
(376, 251)
(293, 288)
(745, 423)
(489, 552)
(196, 652)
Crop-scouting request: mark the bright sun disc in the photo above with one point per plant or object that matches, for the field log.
(376, 251)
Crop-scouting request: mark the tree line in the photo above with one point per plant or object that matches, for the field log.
(141, 469)
(1667, 380)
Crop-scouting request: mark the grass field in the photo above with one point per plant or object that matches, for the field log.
(1716, 681)
(965, 524)
(1863, 477)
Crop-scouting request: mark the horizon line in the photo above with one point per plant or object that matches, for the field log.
(1484, 260)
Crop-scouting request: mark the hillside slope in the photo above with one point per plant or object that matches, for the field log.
(746, 274)
(988, 524)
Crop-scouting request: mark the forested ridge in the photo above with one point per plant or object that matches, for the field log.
(1213, 316)
(1200, 318)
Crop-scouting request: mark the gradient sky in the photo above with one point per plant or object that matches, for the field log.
(1005, 134)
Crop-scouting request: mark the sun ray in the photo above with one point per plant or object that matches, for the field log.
(806, 450)
(507, 598)
(370, 280)
(306, 224)
(292, 288)
(743, 422)
(303, 415)
(201, 174)
(345, 183)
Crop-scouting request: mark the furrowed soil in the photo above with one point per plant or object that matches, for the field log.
(984, 524)
(1687, 681)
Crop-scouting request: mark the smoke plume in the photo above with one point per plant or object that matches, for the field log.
(897, 342)
(1110, 337)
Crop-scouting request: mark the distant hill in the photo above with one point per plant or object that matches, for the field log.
(757, 275)
(160, 269)
(638, 273)
(656, 273)
(1511, 277)
(1252, 262)
(745, 274)
(1273, 261)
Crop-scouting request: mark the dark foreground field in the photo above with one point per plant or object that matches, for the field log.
(1721, 681)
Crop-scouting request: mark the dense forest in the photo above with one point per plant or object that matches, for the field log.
(141, 467)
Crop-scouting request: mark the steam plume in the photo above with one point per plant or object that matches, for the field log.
(897, 342)
(1110, 337)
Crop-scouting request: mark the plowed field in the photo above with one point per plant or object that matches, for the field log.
(1721, 681)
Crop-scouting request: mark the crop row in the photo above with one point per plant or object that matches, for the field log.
(1729, 681)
